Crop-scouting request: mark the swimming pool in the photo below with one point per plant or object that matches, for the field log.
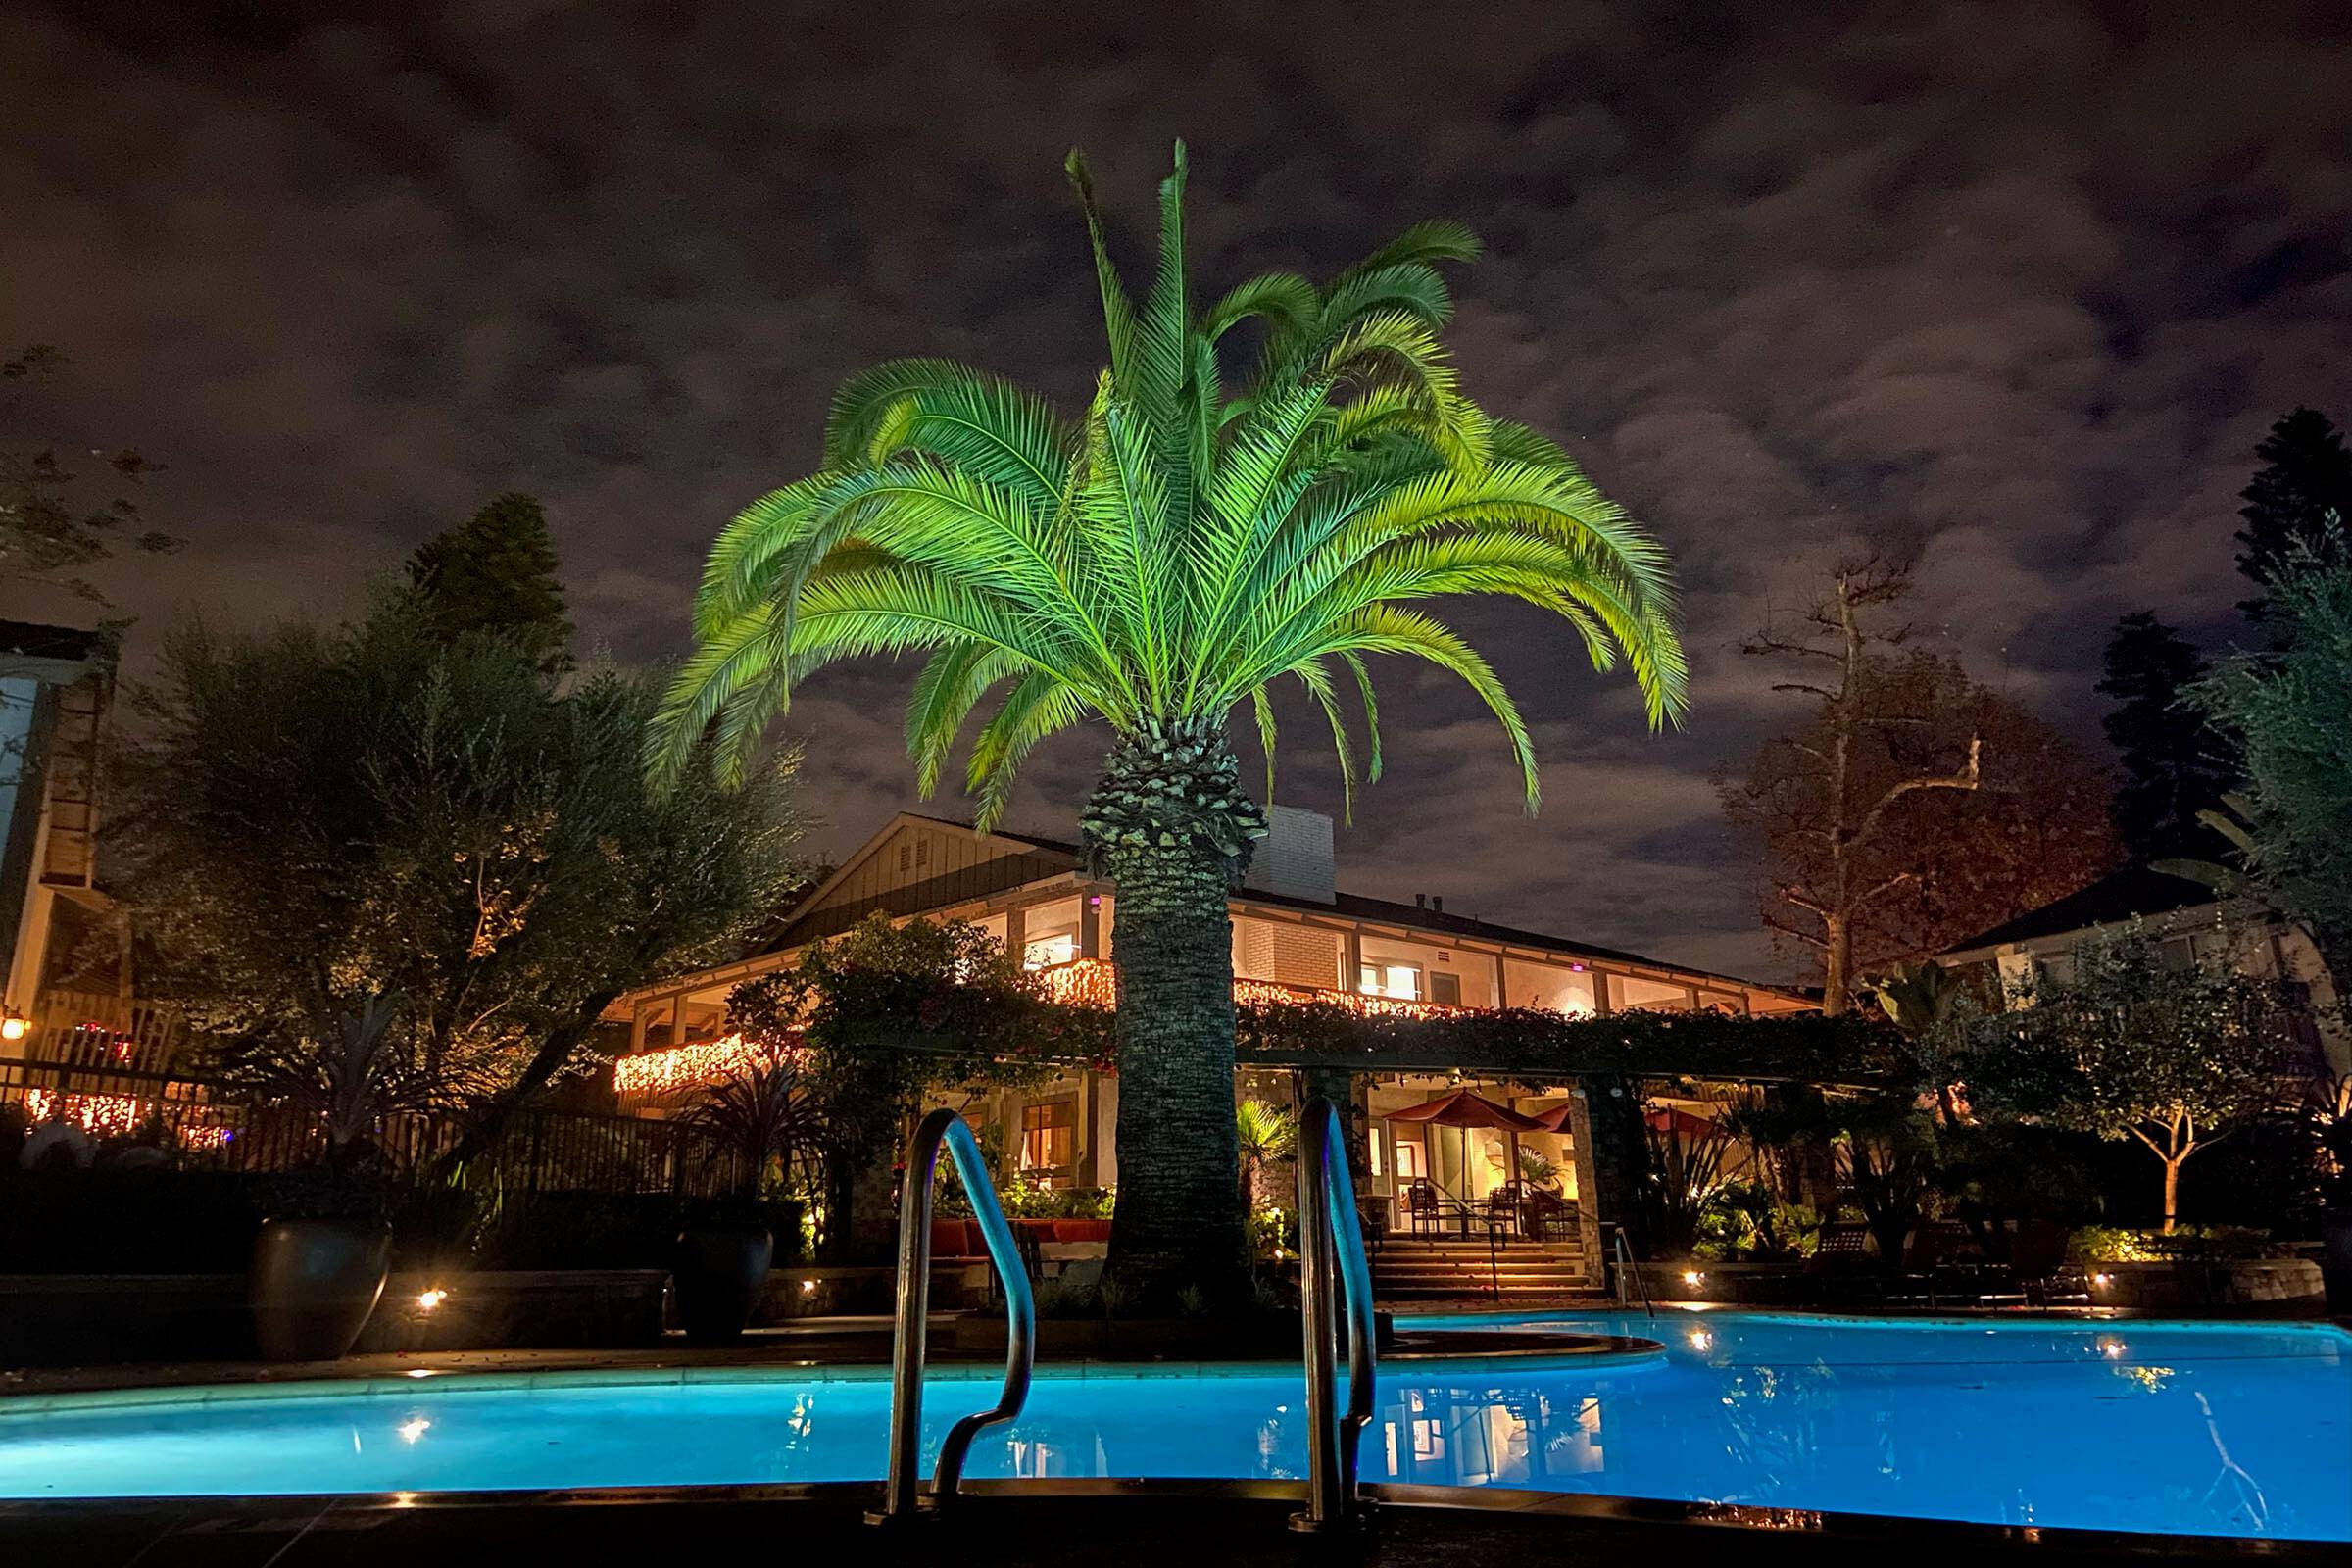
(2203, 1429)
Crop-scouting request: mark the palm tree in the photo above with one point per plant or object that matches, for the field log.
(1155, 564)
(1264, 1133)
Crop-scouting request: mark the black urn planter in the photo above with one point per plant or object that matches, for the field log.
(312, 1285)
(719, 1274)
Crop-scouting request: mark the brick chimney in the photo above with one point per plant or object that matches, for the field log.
(1295, 858)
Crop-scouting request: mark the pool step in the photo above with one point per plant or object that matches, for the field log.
(1426, 1271)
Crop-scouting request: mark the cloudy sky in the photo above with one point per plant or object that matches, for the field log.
(2014, 287)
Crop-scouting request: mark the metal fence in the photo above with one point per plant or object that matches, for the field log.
(208, 1125)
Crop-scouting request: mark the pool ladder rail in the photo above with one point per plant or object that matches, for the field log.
(1333, 1271)
(1628, 1269)
(901, 1497)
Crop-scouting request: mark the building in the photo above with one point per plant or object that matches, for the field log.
(61, 941)
(2186, 921)
(1294, 934)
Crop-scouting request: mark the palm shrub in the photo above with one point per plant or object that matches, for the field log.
(1157, 565)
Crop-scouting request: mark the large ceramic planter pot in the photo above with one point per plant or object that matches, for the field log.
(2336, 1259)
(312, 1285)
(719, 1274)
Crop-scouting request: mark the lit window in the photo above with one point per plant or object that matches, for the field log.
(1403, 980)
(1049, 1136)
(1046, 951)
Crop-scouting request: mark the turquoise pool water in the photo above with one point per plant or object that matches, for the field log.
(2203, 1429)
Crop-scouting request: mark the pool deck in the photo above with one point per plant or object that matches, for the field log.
(1046, 1525)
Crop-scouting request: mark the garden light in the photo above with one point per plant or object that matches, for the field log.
(1691, 1276)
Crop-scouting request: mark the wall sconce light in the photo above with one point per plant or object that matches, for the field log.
(1691, 1276)
(427, 1300)
(14, 1025)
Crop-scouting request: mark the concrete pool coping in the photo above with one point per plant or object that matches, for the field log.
(1049, 1524)
(1519, 1353)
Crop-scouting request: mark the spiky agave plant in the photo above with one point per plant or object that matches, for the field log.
(1157, 565)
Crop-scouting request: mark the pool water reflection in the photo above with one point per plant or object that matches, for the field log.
(2192, 1429)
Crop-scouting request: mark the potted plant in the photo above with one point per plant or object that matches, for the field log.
(318, 1265)
(756, 1119)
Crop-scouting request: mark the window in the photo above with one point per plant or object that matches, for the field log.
(1049, 1136)
(1446, 988)
(1393, 980)
(1556, 988)
(1409, 1163)
(1044, 951)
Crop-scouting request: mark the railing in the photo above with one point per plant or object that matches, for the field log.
(1331, 1257)
(900, 1498)
(211, 1125)
(1627, 1269)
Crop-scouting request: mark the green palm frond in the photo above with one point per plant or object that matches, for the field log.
(1181, 547)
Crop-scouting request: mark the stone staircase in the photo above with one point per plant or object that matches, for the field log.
(1450, 1269)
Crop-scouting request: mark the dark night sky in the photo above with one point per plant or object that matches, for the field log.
(2016, 287)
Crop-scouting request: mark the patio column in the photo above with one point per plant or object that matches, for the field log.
(1348, 1091)
(1620, 1154)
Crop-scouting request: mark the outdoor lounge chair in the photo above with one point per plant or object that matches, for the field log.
(2044, 1271)
(1843, 1267)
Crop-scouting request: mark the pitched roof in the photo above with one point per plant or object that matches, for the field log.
(1352, 906)
(2134, 893)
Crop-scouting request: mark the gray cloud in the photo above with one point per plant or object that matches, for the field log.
(2018, 286)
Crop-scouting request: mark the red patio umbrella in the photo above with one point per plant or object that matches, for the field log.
(1558, 1118)
(1462, 1109)
(1466, 1110)
(1669, 1119)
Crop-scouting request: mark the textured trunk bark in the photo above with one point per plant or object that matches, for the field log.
(1170, 826)
(1179, 1218)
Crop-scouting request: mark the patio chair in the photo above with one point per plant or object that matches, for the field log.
(1425, 1206)
(1506, 1209)
(1552, 1217)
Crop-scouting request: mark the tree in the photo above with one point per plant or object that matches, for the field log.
(2296, 504)
(1912, 807)
(381, 873)
(494, 575)
(2114, 1041)
(2286, 713)
(1156, 566)
(2174, 766)
(883, 1017)
(1266, 1133)
(48, 530)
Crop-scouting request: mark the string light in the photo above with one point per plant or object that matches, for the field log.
(670, 1070)
(117, 1116)
(1079, 983)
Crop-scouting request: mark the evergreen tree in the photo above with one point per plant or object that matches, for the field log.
(495, 576)
(2174, 764)
(2299, 500)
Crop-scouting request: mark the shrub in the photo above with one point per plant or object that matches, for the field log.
(2105, 1243)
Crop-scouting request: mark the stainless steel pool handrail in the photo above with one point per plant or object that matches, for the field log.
(1626, 1271)
(1331, 1255)
(901, 1498)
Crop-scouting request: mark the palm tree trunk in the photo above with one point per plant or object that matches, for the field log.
(1179, 1218)
(1171, 828)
